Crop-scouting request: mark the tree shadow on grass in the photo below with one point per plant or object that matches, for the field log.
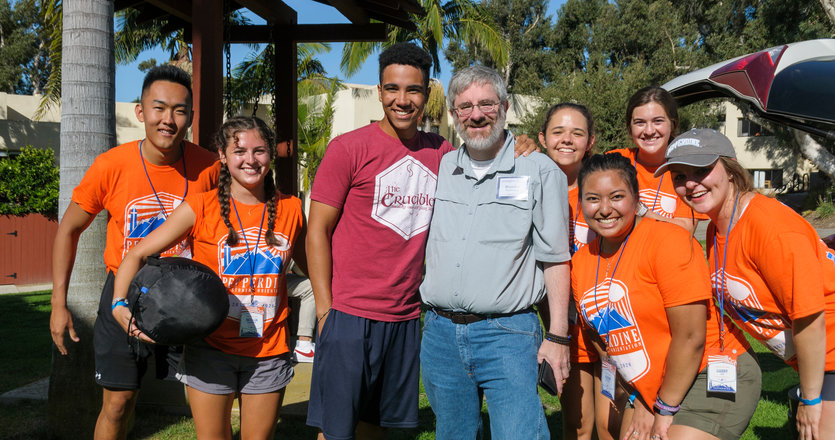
(777, 379)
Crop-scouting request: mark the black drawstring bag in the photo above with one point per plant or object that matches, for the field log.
(176, 300)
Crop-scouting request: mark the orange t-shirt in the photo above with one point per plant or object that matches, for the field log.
(236, 265)
(579, 236)
(658, 193)
(661, 266)
(777, 269)
(117, 183)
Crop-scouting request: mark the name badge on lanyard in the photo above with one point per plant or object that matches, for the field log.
(608, 372)
(252, 322)
(721, 371)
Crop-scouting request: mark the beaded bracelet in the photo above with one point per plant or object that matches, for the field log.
(663, 409)
(562, 340)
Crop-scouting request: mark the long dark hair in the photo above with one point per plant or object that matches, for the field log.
(229, 133)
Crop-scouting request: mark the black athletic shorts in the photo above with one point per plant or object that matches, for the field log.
(122, 361)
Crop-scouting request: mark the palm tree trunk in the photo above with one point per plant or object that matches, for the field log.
(88, 128)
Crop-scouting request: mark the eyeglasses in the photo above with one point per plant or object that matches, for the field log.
(486, 107)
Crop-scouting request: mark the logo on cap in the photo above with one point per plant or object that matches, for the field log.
(683, 142)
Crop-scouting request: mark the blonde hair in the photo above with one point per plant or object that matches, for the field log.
(740, 177)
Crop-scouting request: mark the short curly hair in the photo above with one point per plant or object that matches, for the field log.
(407, 54)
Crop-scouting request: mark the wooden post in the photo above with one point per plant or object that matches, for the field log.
(286, 122)
(207, 80)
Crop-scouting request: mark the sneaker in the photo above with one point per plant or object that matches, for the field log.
(304, 351)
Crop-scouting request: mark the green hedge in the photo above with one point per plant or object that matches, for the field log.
(29, 183)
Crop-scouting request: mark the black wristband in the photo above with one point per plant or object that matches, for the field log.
(562, 340)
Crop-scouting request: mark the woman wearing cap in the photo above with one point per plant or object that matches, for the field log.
(245, 230)
(770, 271)
(642, 286)
(652, 121)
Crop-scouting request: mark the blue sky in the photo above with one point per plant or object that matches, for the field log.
(129, 77)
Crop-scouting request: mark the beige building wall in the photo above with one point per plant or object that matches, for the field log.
(358, 105)
(19, 128)
(762, 154)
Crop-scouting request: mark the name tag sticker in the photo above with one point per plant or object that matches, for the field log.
(607, 379)
(513, 188)
(252, 322)
(721, 371)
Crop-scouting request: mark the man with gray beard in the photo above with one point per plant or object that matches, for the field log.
(498, 241)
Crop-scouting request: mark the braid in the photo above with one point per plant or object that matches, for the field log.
(227, 135)
(224, 180)
(269, 190)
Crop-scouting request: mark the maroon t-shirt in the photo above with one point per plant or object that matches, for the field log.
(385, 189)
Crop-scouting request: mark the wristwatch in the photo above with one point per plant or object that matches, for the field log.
(642, 209)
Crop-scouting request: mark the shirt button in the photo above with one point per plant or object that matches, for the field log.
(457, 264)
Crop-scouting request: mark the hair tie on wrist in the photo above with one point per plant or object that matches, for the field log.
(119, 302)
(808, 402)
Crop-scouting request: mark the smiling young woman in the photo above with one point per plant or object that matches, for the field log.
(652, 121)
(774, 276)
(567, 135)
(244, 220)
(642, 292)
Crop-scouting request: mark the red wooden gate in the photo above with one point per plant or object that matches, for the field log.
(26, 249)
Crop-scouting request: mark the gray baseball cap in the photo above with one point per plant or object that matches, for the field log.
(698, 147)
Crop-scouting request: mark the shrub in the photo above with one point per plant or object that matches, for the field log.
(825, 207)
(29, 183)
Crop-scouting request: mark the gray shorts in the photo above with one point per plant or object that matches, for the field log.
(212, 371)
(721, 414)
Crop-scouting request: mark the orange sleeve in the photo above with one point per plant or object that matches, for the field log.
(91, 192)
(207, 180)
(680, 268)
(195, 202)
(789, 265)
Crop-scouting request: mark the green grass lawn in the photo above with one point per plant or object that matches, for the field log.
(25, 357)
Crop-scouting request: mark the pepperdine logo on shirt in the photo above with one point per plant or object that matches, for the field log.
(143, 215)
(744, 307)
(404, 195)
(659, 202)
(581, 235)
(265, 264)
(609, 311)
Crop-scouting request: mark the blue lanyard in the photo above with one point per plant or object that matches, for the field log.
(657, 190)
(254, 251)
(185, 174)
(721, 293)
(574, 248)
(607, 318)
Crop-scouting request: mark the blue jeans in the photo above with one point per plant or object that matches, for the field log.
(494, 357)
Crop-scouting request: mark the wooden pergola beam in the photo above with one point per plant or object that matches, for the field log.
(412, 8)
(306, 33)
(350, 10)
(275, 11)
(177, 8)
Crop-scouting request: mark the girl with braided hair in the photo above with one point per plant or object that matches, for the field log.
(247, 232)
